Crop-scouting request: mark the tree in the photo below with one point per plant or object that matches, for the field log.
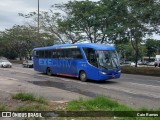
(20, 41)
(16, 39)
(158, 47)
(105, 21)
(101, 22)
(86, 17)
(115, 19)
(48, 24)
(151, 46)
(138, 26)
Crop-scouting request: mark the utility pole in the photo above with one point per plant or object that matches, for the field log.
(38, 22)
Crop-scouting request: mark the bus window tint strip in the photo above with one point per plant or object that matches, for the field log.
(71, 53)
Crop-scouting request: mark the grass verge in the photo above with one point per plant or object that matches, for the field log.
(33, 107)
(150, 71)
(2, 107)
(98, 103)
(107, 106)
(99, 106)
(29, 97)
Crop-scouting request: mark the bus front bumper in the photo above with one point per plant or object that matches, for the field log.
(106, 76)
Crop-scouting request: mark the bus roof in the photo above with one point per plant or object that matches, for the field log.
(87, 45)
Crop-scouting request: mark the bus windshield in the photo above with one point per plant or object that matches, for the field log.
(108, 59)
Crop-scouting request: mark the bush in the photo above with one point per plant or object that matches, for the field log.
(151, 71)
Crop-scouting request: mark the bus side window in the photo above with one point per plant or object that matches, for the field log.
(48, 53)
(36, 54)
(58, 53)
(41, 54)
(76, 53)
(54, 54)
(86, 53)
(63, 53)
(68, 54)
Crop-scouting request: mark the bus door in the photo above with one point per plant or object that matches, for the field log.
(92, 68)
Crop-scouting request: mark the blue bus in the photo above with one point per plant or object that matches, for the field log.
(84, 61)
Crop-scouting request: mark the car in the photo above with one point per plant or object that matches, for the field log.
(142, 63)
(5, 63)
(27, 63)
(129, 63)
(150, 64)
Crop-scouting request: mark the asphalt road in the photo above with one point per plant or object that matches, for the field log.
(133, 90)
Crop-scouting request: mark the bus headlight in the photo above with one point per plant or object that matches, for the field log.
(119, 71)
(104, 73)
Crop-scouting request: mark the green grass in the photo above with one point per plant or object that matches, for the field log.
(33, 107)
(3, 107)
(34, 103)
(98, 103)
(102, 103)
(29, 97)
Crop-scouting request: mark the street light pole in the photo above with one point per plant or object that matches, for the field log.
(38, 21)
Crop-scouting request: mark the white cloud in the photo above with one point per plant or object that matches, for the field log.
(9, 10)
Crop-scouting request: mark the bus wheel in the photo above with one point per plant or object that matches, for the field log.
(49, 71)
(83, 76)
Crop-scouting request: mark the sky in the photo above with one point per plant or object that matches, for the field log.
(9, 10)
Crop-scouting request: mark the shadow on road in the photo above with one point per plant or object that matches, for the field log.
(64, 86)
(110, 81)
(57, 82)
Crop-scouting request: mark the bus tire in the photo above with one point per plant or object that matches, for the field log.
(83, 76)
(49, 71)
